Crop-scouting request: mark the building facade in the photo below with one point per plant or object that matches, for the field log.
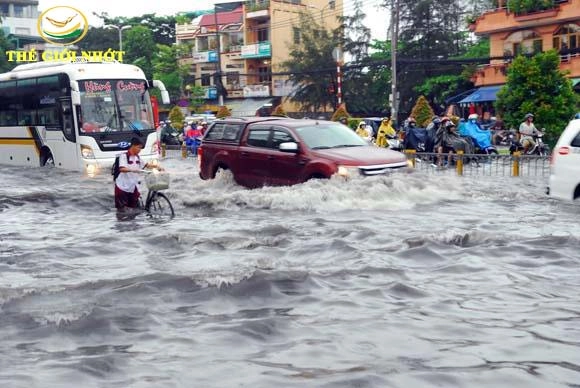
(246, 42)
(511, 33)
(19, 19)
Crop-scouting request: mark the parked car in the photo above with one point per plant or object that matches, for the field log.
(280, 151)
(565, 164)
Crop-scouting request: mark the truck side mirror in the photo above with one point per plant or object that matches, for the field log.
(290, 147)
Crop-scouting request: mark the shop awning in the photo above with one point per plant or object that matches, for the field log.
(483, 94)
(458, 97)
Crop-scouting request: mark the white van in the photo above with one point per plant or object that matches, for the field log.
(565, 164)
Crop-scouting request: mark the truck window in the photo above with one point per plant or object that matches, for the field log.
(258, 137)
(216, 132)
(279, 137)
(225, 132)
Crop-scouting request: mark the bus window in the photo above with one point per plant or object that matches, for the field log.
(115, 105)
(8, 118)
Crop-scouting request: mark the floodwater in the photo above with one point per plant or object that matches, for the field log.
(408, 280)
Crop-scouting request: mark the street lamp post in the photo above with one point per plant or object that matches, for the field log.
(120, 29)
(331, 4)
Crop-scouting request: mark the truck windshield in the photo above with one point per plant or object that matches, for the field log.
(329, 136)
(115, 106)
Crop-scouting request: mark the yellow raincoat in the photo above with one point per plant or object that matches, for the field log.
(361, 130)
(385, 130)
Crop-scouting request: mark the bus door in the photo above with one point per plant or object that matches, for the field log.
(62, 144)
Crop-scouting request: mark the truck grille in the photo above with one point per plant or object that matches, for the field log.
(381, 168)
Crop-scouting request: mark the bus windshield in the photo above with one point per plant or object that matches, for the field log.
(115, 106)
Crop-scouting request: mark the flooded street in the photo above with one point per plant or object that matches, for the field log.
(408, 280)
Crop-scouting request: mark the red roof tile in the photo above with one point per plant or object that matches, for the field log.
(223, 18)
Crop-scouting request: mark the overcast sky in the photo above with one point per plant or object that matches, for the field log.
(377, 18)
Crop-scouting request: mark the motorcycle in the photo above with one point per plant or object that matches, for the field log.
(540, 148)
(515, 145)
(395, 143)
(170, 136)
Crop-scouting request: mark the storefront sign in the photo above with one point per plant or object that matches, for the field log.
(205, 56)
(258, 50)
(256, 91)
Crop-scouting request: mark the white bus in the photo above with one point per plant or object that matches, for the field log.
(76, 116)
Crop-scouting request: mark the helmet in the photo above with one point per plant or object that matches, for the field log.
(528, 115)
(362, 124)
(577, 116)
(436, 120)
(473, 116)
(204, 123)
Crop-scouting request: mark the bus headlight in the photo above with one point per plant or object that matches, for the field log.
(87, 152)
(347, 171)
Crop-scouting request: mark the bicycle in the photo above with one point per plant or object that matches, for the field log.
(157, 205)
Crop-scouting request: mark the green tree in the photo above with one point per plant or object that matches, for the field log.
(311, 64)
(340, 113)
(365, 90)
(167, 69)
(99, 39)
(457, 79)
(223, 112)
(196, 95)
(279, 111)
(140, 48)
(422, 112)
(162, 28)
(176, 117)
(537, 85)
(5, 45)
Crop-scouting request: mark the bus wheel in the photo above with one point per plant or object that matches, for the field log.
(46, 159)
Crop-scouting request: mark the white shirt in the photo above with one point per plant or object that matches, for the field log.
(528, 129)
(129, 181)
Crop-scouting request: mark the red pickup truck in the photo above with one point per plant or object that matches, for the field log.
(280, 151)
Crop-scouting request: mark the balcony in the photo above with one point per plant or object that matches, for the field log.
(185, 29)
(257, 50)
(259, 10)
(502, 20)
(571, 63)
(493, 74)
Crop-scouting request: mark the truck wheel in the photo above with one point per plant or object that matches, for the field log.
(218, 168)
(317, 176)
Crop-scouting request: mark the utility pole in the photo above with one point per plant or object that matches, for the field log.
(394, 38)
(218, 77)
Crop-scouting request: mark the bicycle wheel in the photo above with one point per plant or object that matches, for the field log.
(159, 206)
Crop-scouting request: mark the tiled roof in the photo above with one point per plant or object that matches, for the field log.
(223, 18)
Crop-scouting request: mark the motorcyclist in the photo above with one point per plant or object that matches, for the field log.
(169, 135)
(386, 131)
(433, 127)
(527, 132)
(364, 131)
(449, 141)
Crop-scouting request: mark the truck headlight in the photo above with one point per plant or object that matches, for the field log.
(87, 152)
(347, 171)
